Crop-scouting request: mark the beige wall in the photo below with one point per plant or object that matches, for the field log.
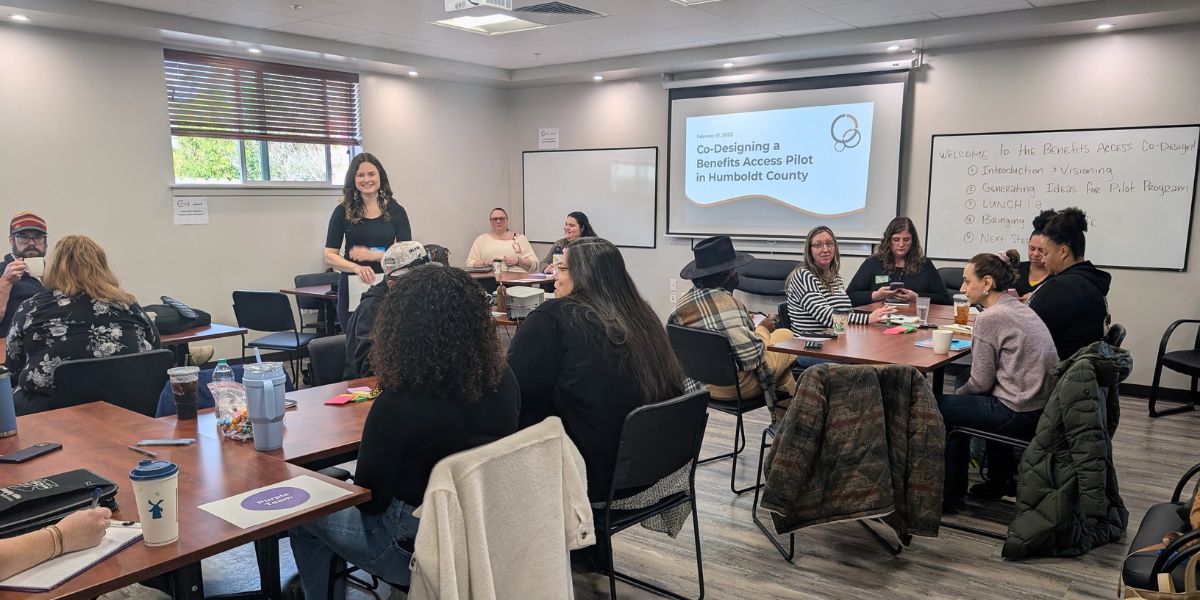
(85, 143)
(1127, 79)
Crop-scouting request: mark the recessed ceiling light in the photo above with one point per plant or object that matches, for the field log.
(893, 48)
(597, 78)
(1104, 27)
(728, 65)
(489, 24)
(254, 51)
(413, 73)
(20, 18)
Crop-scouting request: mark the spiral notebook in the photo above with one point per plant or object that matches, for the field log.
(53, 573)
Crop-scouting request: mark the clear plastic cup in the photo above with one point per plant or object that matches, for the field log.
(185, 389)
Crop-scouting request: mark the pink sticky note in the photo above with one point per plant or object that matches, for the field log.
(359, 390)
(340, 399)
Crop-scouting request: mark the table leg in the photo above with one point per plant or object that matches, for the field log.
(939, 382)
(181, 354)
(187, 583)
(267, 552)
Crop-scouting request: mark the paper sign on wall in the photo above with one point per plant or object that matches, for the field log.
(548, 138)
(191, 210)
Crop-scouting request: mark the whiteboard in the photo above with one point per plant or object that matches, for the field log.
(616, 188)
(1137, 186)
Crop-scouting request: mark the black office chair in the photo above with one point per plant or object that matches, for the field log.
(1182, 361)
(707, 357)
(1141, 569)
(952, 277)
(1018, 443)
(131, 381)
(656, 441)
(327, 359)
(762, 451)
(271, 311)
(765, 276)
(325, 323)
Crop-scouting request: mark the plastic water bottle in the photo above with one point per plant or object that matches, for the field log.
(223, 372)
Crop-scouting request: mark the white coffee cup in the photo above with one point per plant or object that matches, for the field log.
(941, 341)
(35, 266)
(156, 492)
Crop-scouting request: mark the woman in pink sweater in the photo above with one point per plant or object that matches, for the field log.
(1011, 358)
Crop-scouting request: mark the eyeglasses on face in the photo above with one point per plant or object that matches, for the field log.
(498, 219)
(25, 238)
(820, 245)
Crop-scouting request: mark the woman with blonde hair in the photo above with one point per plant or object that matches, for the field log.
(83, 313)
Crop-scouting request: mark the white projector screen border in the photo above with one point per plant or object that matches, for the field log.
(887, 155)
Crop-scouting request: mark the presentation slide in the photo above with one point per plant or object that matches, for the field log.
(774, 161)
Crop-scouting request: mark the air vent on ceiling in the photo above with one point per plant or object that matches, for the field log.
(553, 13)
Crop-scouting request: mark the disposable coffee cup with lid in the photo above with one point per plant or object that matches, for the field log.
(156, 492)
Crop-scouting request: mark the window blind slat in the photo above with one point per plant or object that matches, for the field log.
(219, 96)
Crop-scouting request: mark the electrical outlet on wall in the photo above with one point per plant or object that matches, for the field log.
(672, 284)
(673, 301)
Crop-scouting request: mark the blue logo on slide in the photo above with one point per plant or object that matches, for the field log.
(844, 130)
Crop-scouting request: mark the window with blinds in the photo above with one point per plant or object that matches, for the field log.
(237, 121)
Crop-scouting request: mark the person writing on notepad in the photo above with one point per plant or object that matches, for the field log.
(501, 244)
(79, 530)
(1012, 358)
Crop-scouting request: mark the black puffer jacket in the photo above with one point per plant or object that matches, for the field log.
(358, 332)
(1073, 307)
(1067, 496)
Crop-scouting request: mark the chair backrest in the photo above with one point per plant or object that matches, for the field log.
(263, 311)
(782, 320)
(659, 439)
(765, 276)
(1116, 335)
(952, 277)
(311, 279)
(131, 381)
(705, 356)
(327, 359)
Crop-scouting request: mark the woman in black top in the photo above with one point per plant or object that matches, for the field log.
(83, 313)
(1072, 300)
(591, 355)
(899, 258)
(1031, 273)
(369, 220)
(575, 226)
(445, 389)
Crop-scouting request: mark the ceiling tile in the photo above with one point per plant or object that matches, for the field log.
(364, 3)
(797, 22)
(243, 16)
(377, 40)
(669, 14)
(719, 29)
(896, 20)
(178, 7)
(991, 7)
(947, 5)
(310, 9)
(1055, 2)
(371, 20)
(318, 29)
(851, 12)
(735, 9)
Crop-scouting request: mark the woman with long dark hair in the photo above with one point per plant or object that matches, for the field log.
(575, 226)
(444, 388)
(593, 354)
(1072, 300)
(368, 220)
(899, 259)
(83, 313)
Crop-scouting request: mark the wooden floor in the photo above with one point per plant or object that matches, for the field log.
(843, 561)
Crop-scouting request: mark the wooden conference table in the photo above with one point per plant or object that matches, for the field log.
(178, 342)
(868, 345)
(95, 436)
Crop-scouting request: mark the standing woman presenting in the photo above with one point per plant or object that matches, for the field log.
(369, 220)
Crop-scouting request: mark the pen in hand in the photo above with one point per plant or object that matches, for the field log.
(95, 497)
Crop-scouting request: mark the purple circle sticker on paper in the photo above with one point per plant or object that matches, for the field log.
(276, 499)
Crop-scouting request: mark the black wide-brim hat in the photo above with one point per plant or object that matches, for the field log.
(714, 255)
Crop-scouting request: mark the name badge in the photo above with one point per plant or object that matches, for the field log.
(882, 279)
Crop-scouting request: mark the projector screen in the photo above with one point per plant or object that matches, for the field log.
(774, 160)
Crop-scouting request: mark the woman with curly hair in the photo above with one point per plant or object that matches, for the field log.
(593, 354)
(444, 388)
(898, 260)
(369, 221)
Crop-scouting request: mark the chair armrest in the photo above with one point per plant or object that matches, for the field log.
(1175, 553)
(1162, 345)
(1183, 482)
(337, 473)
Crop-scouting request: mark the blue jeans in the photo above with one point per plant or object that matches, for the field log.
(988, 414)
(370, 542)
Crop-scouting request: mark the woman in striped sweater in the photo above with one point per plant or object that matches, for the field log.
(815, 288)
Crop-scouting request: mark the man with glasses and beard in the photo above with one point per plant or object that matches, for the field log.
(27, 234)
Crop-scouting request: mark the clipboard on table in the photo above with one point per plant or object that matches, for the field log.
(55, 572)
